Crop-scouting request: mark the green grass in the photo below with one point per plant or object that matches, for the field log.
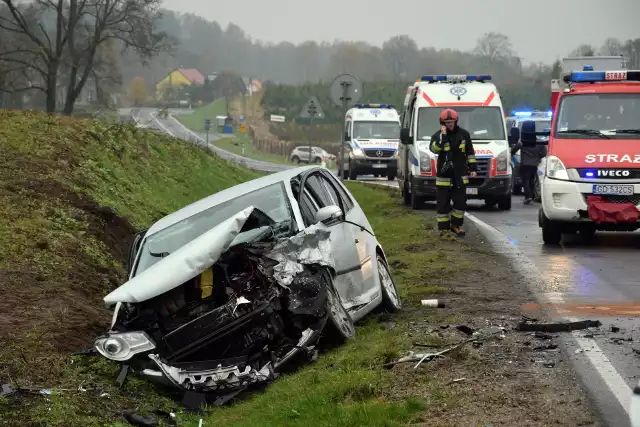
(235, 145)
(195, 120)
(74, 192)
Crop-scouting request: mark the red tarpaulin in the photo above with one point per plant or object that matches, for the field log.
(602, 211)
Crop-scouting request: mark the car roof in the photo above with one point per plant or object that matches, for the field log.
(225, 195)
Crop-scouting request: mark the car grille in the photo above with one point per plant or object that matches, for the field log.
(635, 199)
(483, 167)
(374, 153)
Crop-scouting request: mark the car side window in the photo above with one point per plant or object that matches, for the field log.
(308, 209)
(347, 128)
(347, 202)
(318, 190)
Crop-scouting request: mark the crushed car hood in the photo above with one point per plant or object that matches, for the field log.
(310, 246)
(184, 264)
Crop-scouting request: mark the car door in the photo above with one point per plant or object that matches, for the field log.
(357, 221)
(348, 268)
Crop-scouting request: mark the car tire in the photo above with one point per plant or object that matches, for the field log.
(504, 204)
(390, 299)
(295, 159)
(587, 233)
(391, 176)
(317, 160)
(537, 194)
(345, 174)
(416, 201)
(352, 173)
(406, 195)
(339, 327)
(551, 231)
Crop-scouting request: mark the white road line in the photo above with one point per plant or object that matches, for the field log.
(164, 128)
(590, 348)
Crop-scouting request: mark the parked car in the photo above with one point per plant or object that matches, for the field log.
(224, 292)
(301, 155)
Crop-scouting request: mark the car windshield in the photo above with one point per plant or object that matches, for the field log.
(541, 125)
(373, 130)
(591, 115)
(271, 200)
(483, 123)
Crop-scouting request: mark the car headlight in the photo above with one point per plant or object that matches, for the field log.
(503, 161)
(425, 162)
(555, 169)
(357, 152)
(121, 346)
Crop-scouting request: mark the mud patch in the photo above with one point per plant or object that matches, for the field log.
(502, 382)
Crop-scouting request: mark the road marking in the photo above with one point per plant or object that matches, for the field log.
(589, 347)
(155, 118)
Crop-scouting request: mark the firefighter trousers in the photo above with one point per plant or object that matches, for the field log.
(446, 216)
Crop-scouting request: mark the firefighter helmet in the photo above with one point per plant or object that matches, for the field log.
(448, 115)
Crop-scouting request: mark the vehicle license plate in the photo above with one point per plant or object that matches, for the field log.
(379, 165)
(613, 190)
(473, 191)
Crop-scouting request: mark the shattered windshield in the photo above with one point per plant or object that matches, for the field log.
(483, 123)
(271, 200)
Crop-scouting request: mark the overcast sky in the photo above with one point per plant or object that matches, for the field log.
(540, 30)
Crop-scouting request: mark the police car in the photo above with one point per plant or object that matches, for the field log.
(543, 123)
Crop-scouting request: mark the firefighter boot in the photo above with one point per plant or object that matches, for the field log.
(458, 231)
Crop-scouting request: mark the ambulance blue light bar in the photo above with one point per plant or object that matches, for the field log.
(375, 106)
(603, 76)
(531, 113)
(456, 78)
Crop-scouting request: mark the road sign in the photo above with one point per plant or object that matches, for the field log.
(241, 118)
(276, 118)
(345, 90)
(312, 109)
(207, 124)
(243, 128)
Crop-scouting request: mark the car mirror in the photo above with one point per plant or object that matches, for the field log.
(329, 214)
(405, 136)
(514, 136)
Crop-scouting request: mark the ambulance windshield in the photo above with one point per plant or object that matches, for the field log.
(483, 123)
(614, 115)
(376, 130)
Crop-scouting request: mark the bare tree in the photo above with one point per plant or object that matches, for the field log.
(67, 35)
(494, 46)
(611, 47)
(583, 50)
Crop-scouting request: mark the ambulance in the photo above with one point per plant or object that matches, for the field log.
(372, 135)
(591, 177)
(480, 112)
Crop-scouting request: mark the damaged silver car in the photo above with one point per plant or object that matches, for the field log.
(224, 292)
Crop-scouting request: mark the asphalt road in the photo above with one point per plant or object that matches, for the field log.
(597, 280)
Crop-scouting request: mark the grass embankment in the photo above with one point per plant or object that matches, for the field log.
(71, 191)
(195, 120)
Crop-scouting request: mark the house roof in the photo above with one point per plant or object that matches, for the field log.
(193, 75)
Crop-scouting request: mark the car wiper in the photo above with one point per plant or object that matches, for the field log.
(627, 131)
(586, 132)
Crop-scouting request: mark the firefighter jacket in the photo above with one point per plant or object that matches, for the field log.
(456, 146)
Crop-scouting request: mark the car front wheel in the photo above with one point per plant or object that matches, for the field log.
(390, 298)
(339, 328)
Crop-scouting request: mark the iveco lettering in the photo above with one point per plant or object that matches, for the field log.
(591, 178)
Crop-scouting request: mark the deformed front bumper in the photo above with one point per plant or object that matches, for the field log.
(215, 377)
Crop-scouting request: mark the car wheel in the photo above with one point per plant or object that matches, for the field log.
(551, 231)
(345, 174)
(416, 201)
(352, 173)
(406, 196)
(504, 204)
(391, 176)
(339, 327)
(587, 233)
(390, 299)
(317, 160)
(490, 203)
(295, 159)
(537, 194)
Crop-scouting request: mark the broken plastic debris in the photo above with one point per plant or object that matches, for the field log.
(559, 326)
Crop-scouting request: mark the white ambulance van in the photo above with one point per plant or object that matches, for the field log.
(480, 112)
(372, 136)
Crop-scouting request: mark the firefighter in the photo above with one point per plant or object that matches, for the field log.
(456, 162)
